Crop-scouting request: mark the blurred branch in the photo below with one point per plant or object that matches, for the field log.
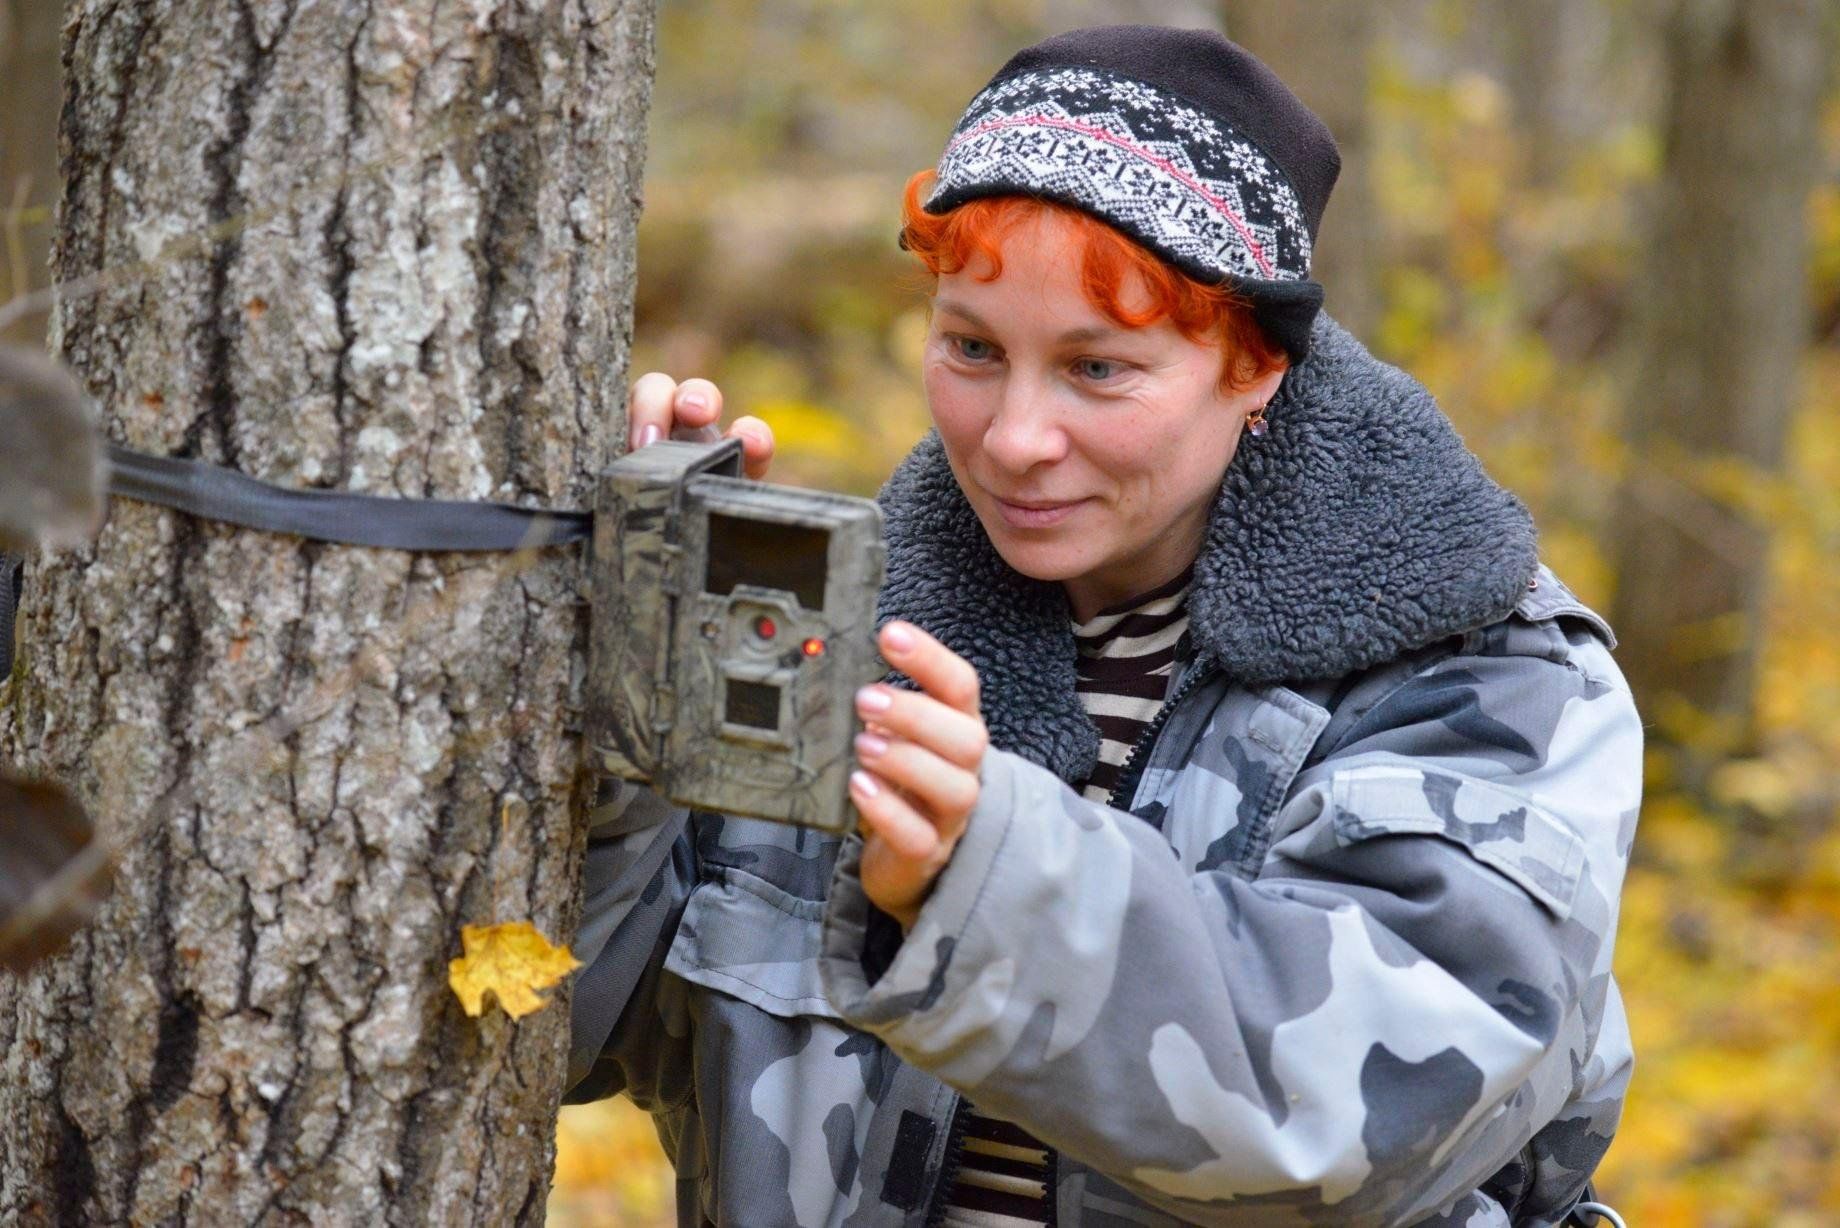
(17, 277)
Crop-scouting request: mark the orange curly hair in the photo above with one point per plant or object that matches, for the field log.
(947, 242)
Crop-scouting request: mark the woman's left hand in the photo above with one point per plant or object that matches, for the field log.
(920, 758)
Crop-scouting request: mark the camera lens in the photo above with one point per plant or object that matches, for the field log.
(765, 627)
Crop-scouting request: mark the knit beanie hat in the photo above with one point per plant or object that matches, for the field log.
(1179, 139)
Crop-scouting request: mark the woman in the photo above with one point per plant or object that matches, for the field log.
(1243, 841)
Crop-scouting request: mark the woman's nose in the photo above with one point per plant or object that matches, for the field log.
(1025, 431)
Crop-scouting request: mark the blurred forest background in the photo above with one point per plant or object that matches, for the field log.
(1606, 233)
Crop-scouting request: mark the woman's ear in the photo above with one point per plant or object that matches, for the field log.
(1249, 372)
(1261, 390)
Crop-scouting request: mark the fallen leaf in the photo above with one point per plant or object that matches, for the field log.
(510, 961)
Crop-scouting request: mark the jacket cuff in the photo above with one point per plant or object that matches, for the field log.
(920, 978)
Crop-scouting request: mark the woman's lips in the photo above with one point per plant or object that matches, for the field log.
(1034, 515)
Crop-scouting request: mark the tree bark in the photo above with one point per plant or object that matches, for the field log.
(384, 247)
(1719, 355)
(1323, 52)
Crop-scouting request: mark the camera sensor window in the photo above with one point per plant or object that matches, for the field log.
(787, 558)
(753, 704)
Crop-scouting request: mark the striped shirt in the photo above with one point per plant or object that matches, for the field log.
(1127, 654)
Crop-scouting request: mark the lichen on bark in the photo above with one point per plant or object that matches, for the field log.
(381, 247)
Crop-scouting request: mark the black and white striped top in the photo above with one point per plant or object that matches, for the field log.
(1127, 654)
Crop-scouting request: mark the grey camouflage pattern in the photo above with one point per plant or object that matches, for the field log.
(1371, 985)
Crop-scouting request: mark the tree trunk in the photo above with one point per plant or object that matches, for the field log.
(1322, 51)
(384, 248)
(1717, 373)
(1544, 41)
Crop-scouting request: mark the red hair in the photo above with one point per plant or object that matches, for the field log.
(947, 243)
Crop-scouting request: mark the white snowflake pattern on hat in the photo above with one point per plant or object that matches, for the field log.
(1136, 156)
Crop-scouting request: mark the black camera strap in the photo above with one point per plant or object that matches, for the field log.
(12, 579)
(340, 517)
(385, 522)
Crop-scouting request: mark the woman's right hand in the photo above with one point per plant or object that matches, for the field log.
(662, 408)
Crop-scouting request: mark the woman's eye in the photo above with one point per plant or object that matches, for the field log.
(1097, 370)
(971, 349)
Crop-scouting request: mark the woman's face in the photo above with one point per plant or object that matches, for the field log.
(1091, 452)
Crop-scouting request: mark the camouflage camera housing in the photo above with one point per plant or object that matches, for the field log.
(733, 622)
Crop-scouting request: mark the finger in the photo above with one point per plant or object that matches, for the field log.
(944, 790)
(757, 444)
(906, 830)
(941, 673)
(649, 410)
(952, 735)
(698, 403)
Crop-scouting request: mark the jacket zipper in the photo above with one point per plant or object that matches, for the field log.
(949, 1166)
(1121, 795)
(1133, 769)
(955, 1160)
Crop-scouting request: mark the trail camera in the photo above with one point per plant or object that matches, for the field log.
(733, 622)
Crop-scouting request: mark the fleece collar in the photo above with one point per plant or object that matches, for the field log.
(1357, 528)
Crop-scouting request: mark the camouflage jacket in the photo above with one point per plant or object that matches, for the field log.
(1339, 953)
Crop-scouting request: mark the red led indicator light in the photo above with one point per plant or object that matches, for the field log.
(765, 628)
(813, 647)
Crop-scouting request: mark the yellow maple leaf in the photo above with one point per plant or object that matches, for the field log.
(510, 961)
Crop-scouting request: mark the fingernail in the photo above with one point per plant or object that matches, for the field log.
(869, 746)
(864, 784)
(874, 699)
(900, 637)
(693, 400)
(648, 435)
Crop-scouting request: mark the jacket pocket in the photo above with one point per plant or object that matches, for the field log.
(752, 940)
(1236, 777)
(1501, 828)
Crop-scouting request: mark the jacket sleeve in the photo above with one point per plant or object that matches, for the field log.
(629, 1028)
(1366, 1030)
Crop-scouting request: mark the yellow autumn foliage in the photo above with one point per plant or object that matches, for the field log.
(511, 962)
(610, 1171)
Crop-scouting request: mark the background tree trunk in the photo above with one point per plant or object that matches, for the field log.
(1323, 51)
(1551, 75)
(1718, 357)
(386, 248)
(28, 157)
